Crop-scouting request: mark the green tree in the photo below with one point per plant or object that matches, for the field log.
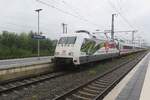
(13, 45)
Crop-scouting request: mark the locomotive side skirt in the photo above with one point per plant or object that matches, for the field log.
(86, 59)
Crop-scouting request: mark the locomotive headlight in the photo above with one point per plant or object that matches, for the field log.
(70, 53)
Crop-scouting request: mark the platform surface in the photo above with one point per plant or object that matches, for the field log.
(136, 85)
(12, 63)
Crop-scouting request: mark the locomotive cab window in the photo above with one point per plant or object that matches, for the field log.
(87, 46)
(71, 40)
(62, 40)
(67, 40)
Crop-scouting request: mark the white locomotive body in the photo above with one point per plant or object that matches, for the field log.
(82, 47)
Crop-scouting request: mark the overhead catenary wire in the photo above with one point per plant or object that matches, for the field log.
(119, 4)
(76, 11)
(10, 23)
(125, 19)
(66, 4)
(71, 8)
(20, 26)
(4, 28)
(24, 24)
(121, 15)
(67, 13)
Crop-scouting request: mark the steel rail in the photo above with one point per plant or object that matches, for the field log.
(14, 85)
(104, 86)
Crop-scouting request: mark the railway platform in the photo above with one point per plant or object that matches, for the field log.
(21, 62)
(16, 68)
(135, 85)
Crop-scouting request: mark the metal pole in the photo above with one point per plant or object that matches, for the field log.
(133, 36)
(38, 45)
(133, 33)
(133, 39)
(112, 27)
(66, 28)
(38, 34)
(63, 25)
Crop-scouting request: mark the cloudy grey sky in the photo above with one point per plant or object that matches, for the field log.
(19, 16)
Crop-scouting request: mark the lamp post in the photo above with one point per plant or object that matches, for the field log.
(38, 11)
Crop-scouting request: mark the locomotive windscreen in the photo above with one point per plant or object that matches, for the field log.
(67, 40)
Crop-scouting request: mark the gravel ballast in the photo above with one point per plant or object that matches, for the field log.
(49, 89)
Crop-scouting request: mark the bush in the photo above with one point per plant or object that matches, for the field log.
(13, 45)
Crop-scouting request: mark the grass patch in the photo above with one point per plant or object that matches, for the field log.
(92, 72)
(99, 68)
(34, 97)
(103, 66)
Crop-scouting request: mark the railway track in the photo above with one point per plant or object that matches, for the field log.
(98, 88)
(18, 84)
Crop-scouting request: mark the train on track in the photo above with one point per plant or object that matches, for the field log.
(83, 47)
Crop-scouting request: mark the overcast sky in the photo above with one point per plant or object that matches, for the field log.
(19, 16)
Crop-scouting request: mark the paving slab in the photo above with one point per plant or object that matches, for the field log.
(131, 86)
